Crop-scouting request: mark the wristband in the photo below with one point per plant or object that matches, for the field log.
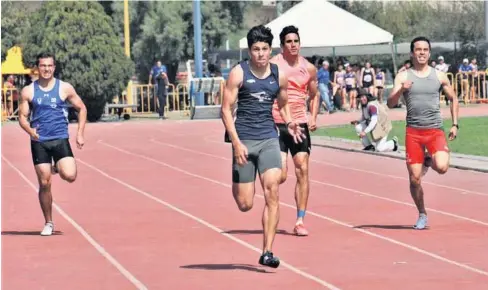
(455, 125)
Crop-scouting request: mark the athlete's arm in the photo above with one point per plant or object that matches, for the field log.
(282, 98)
(313, 91)
(77, 103)
(398, 89)
(450, 94)
(24, 111)
(229, 99)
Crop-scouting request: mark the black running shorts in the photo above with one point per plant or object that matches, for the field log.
(288, 144)
(46, 152)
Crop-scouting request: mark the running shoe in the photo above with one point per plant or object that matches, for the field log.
(300, 230)
(267, 259)
(421, 222)
(48, 229)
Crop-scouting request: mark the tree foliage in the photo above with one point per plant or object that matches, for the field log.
(88, 52)
(15, 22)
(164, 30)
(441, 21)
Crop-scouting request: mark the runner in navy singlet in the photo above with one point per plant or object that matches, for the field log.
(48, 130)
(255, 85)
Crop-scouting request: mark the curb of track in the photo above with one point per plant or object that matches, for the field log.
(390, 154)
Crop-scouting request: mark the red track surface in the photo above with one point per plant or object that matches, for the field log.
(152, 208)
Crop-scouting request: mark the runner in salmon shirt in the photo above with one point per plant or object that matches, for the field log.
(302, 84)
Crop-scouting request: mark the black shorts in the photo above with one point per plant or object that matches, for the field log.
(46, 152)
(288, 144)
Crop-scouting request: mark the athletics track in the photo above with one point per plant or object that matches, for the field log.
(152, 209)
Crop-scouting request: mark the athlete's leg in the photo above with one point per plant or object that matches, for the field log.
(244, 176)
(302, 189)
(284, 140)
(284, 166)
(64, 161)
(42, 159)
(415, 158)
(269, 166)
(438, 149)
(301, 153)
(243, 180)
(43, 172)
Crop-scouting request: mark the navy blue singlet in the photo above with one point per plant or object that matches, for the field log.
(254, 118)
(49, 113)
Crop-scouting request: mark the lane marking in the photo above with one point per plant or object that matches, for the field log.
(85, 234)
(335, 186)
(405, 245)
(207, 224)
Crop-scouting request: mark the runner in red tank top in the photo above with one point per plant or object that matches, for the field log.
(302, 85)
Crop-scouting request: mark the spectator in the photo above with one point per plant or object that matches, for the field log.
(323, 77)
(465, 69)
(374, 122)
(442, 66)
(160, 76)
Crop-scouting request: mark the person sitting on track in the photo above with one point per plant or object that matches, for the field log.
(255, 84)
(374, 121)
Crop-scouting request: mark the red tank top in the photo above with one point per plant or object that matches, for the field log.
(298, 79)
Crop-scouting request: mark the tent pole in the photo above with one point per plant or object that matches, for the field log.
(393, 57)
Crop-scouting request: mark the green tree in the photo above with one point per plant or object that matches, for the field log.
(88, 52)
(167, 33)
(15, 22)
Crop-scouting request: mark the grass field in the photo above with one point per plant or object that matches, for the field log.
(472, 135)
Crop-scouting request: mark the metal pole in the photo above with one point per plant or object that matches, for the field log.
(197, 32)
(393, 57)
(279, 8)
(126, 28)
(486, 32)
(127, 52)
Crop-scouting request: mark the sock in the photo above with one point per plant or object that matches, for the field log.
(301, 214)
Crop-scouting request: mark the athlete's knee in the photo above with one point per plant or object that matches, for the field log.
(44, 184)
(244, 196)
(271, 194)
(245, 205)
(69, 177)
(441, 162)
(415, 180)
(301, 167)
(442, 168)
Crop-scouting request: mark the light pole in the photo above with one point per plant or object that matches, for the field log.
(127, 51)
(197, 39)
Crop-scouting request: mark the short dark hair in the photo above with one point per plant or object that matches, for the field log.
(45, 55)
(416, 39)
(287, 30)
(259, 33)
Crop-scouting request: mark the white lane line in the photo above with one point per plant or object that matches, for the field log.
(85, 234)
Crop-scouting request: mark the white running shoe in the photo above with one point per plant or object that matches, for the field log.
(48, 229)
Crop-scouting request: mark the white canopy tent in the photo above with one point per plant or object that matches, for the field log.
(322, 24)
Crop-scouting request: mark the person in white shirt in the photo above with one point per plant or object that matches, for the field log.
(442, 66)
